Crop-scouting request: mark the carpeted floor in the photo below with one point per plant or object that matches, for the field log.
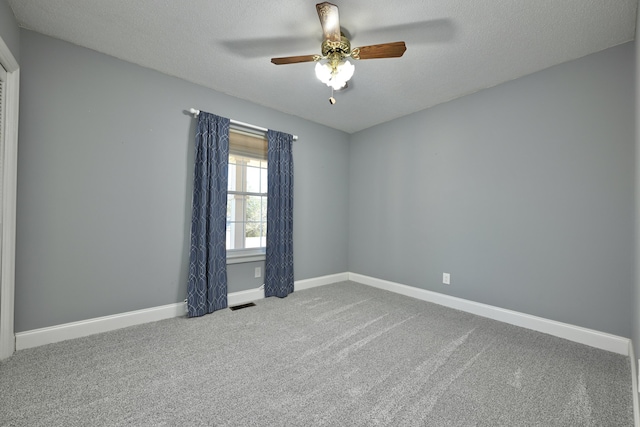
(340, 355)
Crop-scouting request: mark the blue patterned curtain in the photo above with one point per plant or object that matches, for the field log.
(207, 287)
(279, 258)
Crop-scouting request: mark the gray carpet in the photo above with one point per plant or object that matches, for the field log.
(340, 355)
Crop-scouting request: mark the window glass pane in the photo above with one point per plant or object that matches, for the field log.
(263, 237)
(231, 229)
(253, 179)
(254, 208)
(254, 162)
(235, 235)
(253, 235)
(235, 207)
(252, 229)
(263, 181)
(231, 185)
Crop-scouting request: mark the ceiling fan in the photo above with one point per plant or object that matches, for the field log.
(332, 66)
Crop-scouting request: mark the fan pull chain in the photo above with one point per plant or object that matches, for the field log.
(332, 100)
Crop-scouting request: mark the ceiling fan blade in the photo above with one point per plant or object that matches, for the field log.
(294, 59)
(330, 21)
(385, 50)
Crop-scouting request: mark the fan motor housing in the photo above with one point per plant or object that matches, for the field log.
(343, 47)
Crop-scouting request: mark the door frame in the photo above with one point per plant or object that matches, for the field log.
(9, 190)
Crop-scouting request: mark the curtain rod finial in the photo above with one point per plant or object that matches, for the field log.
(194, 112)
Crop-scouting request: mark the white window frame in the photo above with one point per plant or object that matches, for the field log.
(236, 256)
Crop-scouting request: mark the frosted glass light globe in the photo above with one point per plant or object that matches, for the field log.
(323, 73)
(336, 78)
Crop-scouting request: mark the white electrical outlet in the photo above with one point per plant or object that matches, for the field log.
(257, 272)
(446, 278)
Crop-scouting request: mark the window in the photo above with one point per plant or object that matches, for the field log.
(247, 194)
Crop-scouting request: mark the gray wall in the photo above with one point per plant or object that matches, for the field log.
(9, 31)
(523, 192)
(104, 186)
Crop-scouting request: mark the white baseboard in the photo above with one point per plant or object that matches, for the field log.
(300, 285)
(87, 327)
(574, 333)
(83, 328)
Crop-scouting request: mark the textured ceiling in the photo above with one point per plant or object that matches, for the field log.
(454, 47)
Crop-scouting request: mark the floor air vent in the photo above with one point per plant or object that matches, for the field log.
(238, 307)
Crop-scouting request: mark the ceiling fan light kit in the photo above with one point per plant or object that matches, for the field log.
(333, 68)
(335, 76)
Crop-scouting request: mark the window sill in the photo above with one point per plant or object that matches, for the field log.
(241, 258)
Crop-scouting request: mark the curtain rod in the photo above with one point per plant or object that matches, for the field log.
(237, 123)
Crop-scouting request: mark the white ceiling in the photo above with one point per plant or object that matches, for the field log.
(454, 47)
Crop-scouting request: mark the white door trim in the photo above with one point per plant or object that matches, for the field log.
(10, 169)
